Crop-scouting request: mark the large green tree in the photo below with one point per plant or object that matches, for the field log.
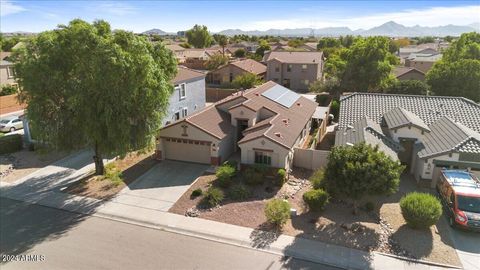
(408, 87)
(262, 48)
(246, 81)
(365, 66)
(216, 61)
(199, 37)
(222, 40)
(353, 172)
(87, 86)
(458, 73)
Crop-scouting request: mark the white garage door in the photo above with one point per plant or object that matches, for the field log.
(187, 150)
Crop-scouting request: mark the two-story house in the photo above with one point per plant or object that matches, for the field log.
(188, 96)
(227, 73)
(294, 70)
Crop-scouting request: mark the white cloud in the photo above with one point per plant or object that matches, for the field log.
(434, 16)
(8, 7)
(115, 8)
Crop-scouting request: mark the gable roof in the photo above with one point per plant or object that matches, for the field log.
(251, 66)
(448, 136)
(294, 57)
(399, 117)
(398, 71)
(186, 74)
(368, 131)
(174, 47)
(428, 108)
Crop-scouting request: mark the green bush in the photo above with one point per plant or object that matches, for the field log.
(281, 177)
(8, 90)
(10, 143)
(277, 211)
(213, 197)
(322, 100)
(231, 163)
(420, 210)
(335, 109)
(316, 199)
(317, 179)
(195, 193)
(113, 174)
(369, 206)
(239, 192)
(224, 174)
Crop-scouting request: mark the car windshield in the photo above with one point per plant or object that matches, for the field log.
(469, 204)
(4, 121)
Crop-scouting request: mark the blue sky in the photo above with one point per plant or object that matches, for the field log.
(172, 16)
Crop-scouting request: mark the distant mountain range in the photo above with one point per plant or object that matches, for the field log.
(391, 29)
(156, 31)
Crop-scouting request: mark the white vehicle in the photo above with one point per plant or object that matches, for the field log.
(11, 124)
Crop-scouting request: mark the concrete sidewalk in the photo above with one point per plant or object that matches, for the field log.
(44, 188)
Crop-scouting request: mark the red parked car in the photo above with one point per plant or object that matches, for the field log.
(460, 194)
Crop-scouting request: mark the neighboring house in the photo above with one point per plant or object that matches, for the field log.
(227, 73)
(404, 52)
(309, 46)
(196, 58)
(408, 73)
(247, 46)
(7, 73)
(422, 61)
(427, 132)
(178, 51)
(264, 124)
(294, 70)
(5, 55)
(188, 96)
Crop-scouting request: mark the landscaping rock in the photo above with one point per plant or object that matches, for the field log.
(192, 212)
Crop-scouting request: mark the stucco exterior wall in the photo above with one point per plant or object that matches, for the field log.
(6, 76)
(241, 112)
(279, 154)
(412, 75)
(222, 75)
(405, 132)
(193, 101)
(297, 75)
(422, 168)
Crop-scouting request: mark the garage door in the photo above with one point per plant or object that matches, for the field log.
(187, 150)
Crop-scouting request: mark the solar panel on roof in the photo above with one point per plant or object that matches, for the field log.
(281, 95)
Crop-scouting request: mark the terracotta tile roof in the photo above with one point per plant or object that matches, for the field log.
(174, 47)
(5, 55)
(251, 66)
(186, 74)
(294, 57)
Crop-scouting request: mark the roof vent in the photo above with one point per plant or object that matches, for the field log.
(278, 134)
(298, 104)
(257, 94)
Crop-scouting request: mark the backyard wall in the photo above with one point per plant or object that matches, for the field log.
(310, 158)
(10, 104)
(216, 94)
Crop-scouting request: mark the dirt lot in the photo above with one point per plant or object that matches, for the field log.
(22, 163)
(367, 231)
(99, 187)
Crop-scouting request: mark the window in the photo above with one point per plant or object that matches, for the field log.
(184, 112)
(306, 82)
(176, 116)
(304, 67)
(262, 158)
(231, 77)
(182, 91)
(277, 69)
(289, 68)
(10, 72)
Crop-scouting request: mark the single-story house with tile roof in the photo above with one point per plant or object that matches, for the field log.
(264, 124)
(227, 73)
(408, 73)
(188, 95)
(431, 130)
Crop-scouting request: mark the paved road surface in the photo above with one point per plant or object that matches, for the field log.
(74, 241)
(467, 245)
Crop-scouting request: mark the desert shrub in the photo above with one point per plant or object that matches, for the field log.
(195, 193)
(420, 210)
(8, 90)
(277, 211)
(317, 178)
(213, 197)
(251, 177)
(316, 199)
(113, 173)
(281, 177)
(224, 174)
(11, 143)
(369, 206)
(231, 163)
(239, 192)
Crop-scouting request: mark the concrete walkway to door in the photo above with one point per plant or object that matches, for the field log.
(160, 187)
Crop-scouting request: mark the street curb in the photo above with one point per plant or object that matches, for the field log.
(419, 261)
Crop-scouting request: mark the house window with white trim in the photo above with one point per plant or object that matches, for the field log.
(289, 67)
(184, 112)
(176, 116)
(10, 72)
(182, 90)
(304, 67)
(263, 158)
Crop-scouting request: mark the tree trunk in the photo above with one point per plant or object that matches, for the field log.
(99, 167)
(223, 50)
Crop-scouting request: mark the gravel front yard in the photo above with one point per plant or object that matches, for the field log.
(22, 163)
(132, 167)
(381, 230)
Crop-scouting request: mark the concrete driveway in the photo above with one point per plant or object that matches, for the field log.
(161, 186)
(467, 245)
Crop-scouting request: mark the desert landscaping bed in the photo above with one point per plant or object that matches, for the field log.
(16, 165)
(382, 229)
(99, 187)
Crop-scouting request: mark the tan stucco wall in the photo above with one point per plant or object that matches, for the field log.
(297, 75)
(4, 76)
(241, 112)
(279, 155)
(422, 167)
